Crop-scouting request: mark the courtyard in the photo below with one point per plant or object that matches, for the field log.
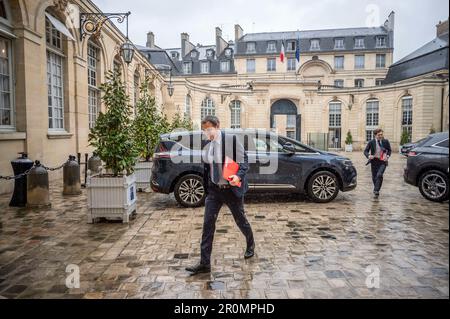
(303, 249)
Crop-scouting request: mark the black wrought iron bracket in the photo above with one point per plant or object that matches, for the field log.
(92, 23)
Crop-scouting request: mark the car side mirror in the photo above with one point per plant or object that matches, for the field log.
(289, 148)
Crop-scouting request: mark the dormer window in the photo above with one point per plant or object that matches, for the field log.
(251, 47)
(339, 44)
(359, 43)
(210, 54)
(381, 42)
(174, 55)
(187, 67)
(271, 47)
(291, 46)
(193, 54)
(315, 45)
(204, 67)
(228, 52)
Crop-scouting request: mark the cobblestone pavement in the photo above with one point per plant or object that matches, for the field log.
(304, 250)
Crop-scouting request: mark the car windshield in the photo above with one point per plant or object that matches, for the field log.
(300, 148)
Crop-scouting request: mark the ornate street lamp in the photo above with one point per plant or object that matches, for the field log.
(92, 24)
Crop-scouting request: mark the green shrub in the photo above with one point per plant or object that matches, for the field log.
(112, 133)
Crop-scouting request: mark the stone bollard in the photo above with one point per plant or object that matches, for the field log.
(38, 195)
(72, 180)
(94, 164)
(20, 165)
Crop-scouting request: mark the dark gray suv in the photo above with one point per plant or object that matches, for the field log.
(427, 167)
(299, 168)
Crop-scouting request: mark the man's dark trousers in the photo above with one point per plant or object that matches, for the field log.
(214, 202)
(378, 169)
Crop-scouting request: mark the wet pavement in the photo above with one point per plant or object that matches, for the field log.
(303, 249)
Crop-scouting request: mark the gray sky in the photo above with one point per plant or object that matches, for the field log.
(415, 19)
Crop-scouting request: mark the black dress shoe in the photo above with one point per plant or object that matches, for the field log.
(250, 252)
(199, 269)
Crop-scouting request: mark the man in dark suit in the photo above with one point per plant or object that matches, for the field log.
(378, 152)
(221, 191)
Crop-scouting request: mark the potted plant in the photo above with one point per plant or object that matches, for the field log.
(112, 195)
(349, 142)
(148, 125)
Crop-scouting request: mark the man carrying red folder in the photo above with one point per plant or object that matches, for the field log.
(225, 181)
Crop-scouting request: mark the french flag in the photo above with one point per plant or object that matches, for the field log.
(283, 53)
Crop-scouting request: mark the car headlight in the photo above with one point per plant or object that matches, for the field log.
(346, 162)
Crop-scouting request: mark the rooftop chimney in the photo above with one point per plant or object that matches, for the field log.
(186, 45)
(150, 40)
(238, 32)
(442, 28)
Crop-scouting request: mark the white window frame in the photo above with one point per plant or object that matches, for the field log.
(93, 89)
(291, 46)
(363, 64)
(207, 108)
(11, 91)
(407, 109)
(372, 117)
(339, 81)
(271, 65)
(187, 107)
(315, 45)
(360, 43)
(271, 47)
(225, 66)
(339, 66)
(381, 42)
(204, 67)
(341, 44)
(291, 64)
(361, 81)
(380, 58)
(187, 68)
(55, 54)
(335, 115)
(379, 82)
(251, 62)
(55, 120)
(235, 112)
(251, 47)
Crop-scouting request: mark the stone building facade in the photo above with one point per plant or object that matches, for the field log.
(50, 80)
(344, 81)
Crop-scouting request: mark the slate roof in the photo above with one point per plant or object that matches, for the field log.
(431, 57)
(326, 37)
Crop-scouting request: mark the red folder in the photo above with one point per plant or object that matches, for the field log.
(230, 168)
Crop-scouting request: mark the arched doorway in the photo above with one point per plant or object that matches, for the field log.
(287, 111)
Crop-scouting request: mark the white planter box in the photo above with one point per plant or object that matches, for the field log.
(349, 148)
(113, 198)
(143, 172)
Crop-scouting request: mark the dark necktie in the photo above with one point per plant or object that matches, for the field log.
(215, 166)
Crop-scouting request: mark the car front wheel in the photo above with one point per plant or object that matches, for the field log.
(323, 187)
(189, 191)
(433, 185)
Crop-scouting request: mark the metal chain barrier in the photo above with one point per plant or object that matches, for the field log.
(27, 172)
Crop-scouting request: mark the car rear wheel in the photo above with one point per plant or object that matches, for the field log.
(323, 187)
(189, 191)
(433, 185)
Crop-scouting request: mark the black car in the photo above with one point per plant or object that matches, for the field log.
(406, 148)
(427, 167)
(178, 167)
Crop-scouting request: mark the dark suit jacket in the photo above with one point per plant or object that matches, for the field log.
(371, 148)
(239, 155)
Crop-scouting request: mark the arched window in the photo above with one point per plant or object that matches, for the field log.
(55, 75)
(334, 124)
(407, 116)
(235, 109)
(372, 118)
(187, 107)
(207, 108)
(93, 55)
(3, 10)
